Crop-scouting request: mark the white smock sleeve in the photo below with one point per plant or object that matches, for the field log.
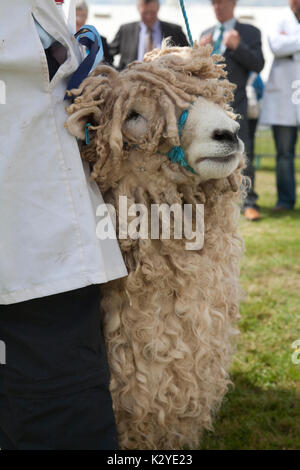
(48, 221)
(284, 36)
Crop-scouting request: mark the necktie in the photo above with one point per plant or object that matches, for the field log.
(218, 42)
(149, 41)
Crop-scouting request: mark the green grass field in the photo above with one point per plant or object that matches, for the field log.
(262, 410)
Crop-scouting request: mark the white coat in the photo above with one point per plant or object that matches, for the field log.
(48, 241)
(280, 104)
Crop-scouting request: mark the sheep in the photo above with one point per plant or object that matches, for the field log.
(169, 326)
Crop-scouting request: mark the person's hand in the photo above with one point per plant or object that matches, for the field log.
(232, 39)
(206, 39)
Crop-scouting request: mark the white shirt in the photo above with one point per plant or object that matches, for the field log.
(279, 106)
(48, 241)
(228, 26)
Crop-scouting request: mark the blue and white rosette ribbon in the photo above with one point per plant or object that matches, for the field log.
(89, 37)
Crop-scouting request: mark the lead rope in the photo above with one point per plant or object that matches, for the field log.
(176, 154)
(186, 22)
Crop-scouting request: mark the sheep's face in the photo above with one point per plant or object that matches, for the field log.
(210, 141)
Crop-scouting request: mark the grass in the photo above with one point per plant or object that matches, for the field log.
(262, 410)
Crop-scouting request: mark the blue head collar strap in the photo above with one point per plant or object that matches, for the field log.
(176, 154)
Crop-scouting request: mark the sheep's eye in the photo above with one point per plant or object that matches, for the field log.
(133, 115)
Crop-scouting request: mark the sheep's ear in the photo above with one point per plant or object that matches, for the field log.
(77, 121)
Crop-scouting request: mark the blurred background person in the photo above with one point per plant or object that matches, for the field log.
(133, 40)
(255, 90)
(281, 104)
(82, 13)
(240, 44)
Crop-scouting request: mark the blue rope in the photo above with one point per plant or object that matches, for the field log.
(176, 154)
(186, 22)
(87, 135)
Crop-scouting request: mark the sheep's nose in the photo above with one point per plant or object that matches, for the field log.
(223, 135)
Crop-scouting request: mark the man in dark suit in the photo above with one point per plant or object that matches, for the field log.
(240, 44)
(133, 40)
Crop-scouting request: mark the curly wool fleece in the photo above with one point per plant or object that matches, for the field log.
(169, 324)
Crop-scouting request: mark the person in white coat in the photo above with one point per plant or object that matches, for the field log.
(281, 104)
(54, 384)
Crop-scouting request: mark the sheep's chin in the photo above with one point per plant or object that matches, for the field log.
(216, 167)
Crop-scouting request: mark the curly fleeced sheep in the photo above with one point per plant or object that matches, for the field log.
(169, 324)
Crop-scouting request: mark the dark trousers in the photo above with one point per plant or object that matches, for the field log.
(285, 140)
(54, 386)
(247, 135)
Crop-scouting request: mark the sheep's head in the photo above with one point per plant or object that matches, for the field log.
(138, 109)
(210, 140)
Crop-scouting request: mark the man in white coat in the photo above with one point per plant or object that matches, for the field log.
(54, 384)
(281, 103)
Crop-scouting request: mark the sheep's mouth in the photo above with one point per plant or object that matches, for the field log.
(226, 159)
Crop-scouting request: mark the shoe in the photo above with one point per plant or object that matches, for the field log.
(281, 209)
(251, 214)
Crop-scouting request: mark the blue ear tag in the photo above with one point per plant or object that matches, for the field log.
(87, 134)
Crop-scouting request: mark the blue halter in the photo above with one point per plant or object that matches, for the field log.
(176, 154)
